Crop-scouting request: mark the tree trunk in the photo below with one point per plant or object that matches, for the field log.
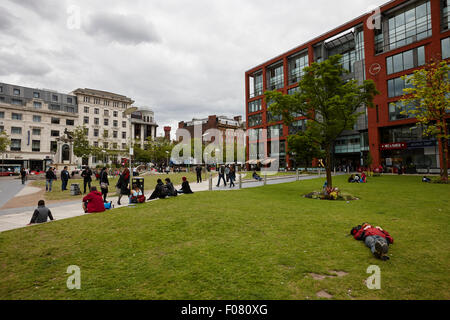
(328, 167)
(444, 167)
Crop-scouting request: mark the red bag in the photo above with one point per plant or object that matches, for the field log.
(141, 199)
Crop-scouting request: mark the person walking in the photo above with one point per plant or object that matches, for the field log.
(122, 184)
(104, 183)
(87, 178)
(23, 174)
(198, 170)
(64, 178)
(232, 176)
(221, 176)
(227, 173)
(49, 177)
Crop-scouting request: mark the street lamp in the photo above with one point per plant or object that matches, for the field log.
(167, 157)
(128, 112)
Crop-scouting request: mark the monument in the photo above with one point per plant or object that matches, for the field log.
(64, 152)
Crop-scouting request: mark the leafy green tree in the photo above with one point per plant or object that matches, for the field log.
(304, 148)
(5, 141)
(430, 96)
(81, 147)
(328, 102)
(160, 149)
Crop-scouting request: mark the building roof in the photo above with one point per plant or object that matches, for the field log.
(103, 94)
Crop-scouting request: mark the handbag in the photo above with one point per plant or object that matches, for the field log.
(104, 185)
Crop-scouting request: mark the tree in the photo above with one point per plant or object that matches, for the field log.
(160, 149)
(4, 141)
(81, 147)
(327, 101)
(430, 97)
(304, 149)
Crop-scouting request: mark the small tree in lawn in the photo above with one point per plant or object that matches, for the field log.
(81, 147)
(430, 96)
(4, 142)
(327, 101)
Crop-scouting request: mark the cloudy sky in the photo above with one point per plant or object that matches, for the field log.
(182, 58)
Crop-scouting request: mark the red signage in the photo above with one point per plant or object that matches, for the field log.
(393, 146)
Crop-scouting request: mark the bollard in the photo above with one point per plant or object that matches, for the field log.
(318, 169)
(240, 180)
(265, 179)
(210, 181)
(298, 176)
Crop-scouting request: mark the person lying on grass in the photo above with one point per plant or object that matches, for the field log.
(41, 214)
(377, 239)
(93, 202)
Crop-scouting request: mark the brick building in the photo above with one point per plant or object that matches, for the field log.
(410, 33)
(213, 122)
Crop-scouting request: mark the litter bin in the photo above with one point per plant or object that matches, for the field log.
(139, 182)
(75, 189)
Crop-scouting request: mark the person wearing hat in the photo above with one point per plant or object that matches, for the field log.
(377, 239)
(185, 187)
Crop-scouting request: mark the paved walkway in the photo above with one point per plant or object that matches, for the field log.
(19, 217)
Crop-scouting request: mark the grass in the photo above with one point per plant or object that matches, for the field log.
(258, 243)
(149, 184)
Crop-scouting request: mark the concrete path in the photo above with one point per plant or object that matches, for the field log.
(9, 188)
(20, 217)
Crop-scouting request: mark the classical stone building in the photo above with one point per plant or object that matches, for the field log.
(34, 119)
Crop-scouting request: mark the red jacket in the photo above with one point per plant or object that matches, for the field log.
(368, 230)
(95, 202)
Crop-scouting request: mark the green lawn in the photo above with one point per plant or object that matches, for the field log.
(149, 184)
(258, 243)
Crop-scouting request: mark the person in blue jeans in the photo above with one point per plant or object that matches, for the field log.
(64, 178)
(222, 176)
(49, 177)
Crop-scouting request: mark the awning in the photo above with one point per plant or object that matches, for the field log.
(253, 161)
(268, 160)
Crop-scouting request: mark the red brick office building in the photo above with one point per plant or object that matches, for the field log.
(409, 34)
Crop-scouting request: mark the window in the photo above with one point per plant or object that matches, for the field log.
(96, 111)
(71, 109)
(275, 131)
(16, 92)
(54, 133)
(396, 86)
(124, 124)
(115, 123)
(86, 120)
(16, 116)
(124, 146)
(36, 132)
(55, 107)
(95, 143)
(1, 89)
(54, 97)
(2, 128)
(115, 134)
(398, 110)
(2, 114)
(96, 101)
(105, 145)
(254, 106)
(36, 145)
(86, 132)
(36, 118)
(95, 132)
(53, 146)
(115, 114)
(114, 145)
(36, 95)
(15, 144)
(70, 122)
(296, 126)
(37, 105)
(404, 27)
(55, 120)
(124, 105)
(16, 130)
(106, 113)
(115, 104)
(256, 85)
(17, 102)
(87, 99)
(105, 133)
(69, 100)
(296, 65)
(445, 43)
(255, 120)
(405, 60)
(86, 109)
(445, 15)
(275, 78)
(106, 122)
(96, 121)
(106, 102)
(124, 135)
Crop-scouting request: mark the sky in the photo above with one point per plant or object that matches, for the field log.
(183, 59)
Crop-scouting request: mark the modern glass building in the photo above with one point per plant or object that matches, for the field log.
(406, 35)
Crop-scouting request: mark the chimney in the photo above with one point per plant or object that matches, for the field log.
(167, 132)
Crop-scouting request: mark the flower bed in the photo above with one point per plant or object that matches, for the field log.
(330, 194)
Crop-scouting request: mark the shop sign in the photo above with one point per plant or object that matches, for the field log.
(393, 146)
(421, 144)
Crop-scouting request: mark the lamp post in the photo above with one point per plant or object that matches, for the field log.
(128, 112)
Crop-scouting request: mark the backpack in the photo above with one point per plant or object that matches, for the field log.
(141, 199)
(164, 191)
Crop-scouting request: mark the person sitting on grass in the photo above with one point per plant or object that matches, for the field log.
(363, 177)
(41, 213)
(93, 201)
(171, 188)
(136, 195)
(377, 239)
(256, 176)
(351, 178)
(160, 191)
(185, 187)
(425, 179)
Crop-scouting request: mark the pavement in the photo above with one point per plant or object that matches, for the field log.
(19, 217)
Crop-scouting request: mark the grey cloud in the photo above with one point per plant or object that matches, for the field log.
(124, 29)
(44, 8)
(15, 64)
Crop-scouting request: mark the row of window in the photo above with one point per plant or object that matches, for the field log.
(105, 112)
(16, 145)
(37, 95)
(115, 134)
(105, 102)
(405, 60)
(115, 123)
(37, 118)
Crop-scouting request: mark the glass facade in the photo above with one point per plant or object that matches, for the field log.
(348, 144)
(296, 65)
(275, 131)
(255, 120)
(254, 106)
(445, 16)
(273, 118)
(256, 85)
(275, 77)
(406, 60)
(396, 86)
(398, 110)
(296, 126)
(445, 47)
